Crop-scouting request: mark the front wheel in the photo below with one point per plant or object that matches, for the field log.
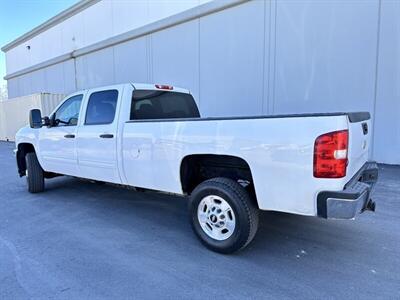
(223, 215)
(34, 174)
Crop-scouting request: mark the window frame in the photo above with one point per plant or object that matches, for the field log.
(87, 107)
(53, 116)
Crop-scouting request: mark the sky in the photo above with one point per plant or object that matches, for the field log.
(19, 16)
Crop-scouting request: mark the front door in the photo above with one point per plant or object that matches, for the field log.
(97, 137)
(57, 143)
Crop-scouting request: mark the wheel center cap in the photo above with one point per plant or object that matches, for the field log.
(213, 218)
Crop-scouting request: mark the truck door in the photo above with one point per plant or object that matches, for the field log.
(57, 143)
(97, 136)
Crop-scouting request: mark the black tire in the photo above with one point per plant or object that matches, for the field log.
(35, 173)
(243, 206)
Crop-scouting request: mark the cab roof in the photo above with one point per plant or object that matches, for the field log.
(157, 87)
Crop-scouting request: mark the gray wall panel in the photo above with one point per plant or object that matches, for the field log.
(69, 76)
(175, 56)
(325, 55)
(131, 61)
(54, 79)
(231, 61)
(95, 69)
(13, 88)
(38, 81)
(387, 120)
(25, 84)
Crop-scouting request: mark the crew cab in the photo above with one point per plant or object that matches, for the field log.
(152, 137)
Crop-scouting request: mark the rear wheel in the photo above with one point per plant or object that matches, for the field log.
(34, 173)
(223, 215)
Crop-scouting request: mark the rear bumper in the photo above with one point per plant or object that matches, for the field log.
(355, 197)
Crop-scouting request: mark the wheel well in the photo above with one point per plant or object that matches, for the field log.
(200, 167)
(23, 149)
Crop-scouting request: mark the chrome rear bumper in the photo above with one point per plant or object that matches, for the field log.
(355, 197)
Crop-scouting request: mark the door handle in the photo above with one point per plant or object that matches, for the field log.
(106, 136)
(69, 136)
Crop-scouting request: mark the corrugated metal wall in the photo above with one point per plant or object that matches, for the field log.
(14, 113)
(264, 57)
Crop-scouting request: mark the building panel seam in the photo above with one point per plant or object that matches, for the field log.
(183, 17)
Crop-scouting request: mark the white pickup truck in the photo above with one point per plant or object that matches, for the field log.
(152, 137)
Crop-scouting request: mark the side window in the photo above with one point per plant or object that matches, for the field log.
(68, 113)
(151, 104)
(101, 107)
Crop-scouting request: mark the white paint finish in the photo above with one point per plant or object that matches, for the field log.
(159, 9)
(25, 84)
(131, 61)
(58, 153)
(17, 58)
(175, 56)
(103, 165)
(54, 151)
(97, 22)
(54, 79)
(204, 1)
(359, 146)
(51, 42)
(231, 56)
(325, 56)
(96, 69)
(129, 14)
(38, 81)
(277, 160)
(387, 121)
(73, 33)
(13, 88)
(282, 158)
(59, 78)
(69, 76)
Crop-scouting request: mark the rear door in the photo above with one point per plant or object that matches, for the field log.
(97, 135)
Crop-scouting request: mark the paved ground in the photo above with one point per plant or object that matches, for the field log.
(82, 240)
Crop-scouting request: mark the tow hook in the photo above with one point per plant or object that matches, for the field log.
(370, 205)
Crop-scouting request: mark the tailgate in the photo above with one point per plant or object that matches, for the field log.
(359, 141)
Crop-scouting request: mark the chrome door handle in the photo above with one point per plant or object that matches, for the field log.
(106, 136)
(69, 136)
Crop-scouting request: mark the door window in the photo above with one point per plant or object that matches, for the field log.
(101, 107)
(68, 113)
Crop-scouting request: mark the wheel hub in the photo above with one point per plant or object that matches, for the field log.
(216, 217)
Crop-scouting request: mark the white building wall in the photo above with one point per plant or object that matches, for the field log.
(98, 22)
(58, 78)
(387, 106)
(260, 57)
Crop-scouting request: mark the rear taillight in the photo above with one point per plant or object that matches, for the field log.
(330, 154)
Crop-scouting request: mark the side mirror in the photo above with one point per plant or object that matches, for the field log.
(73, 121)
(46, 121)
(35, 118)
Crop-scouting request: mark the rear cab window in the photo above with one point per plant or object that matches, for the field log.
(154, 104)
